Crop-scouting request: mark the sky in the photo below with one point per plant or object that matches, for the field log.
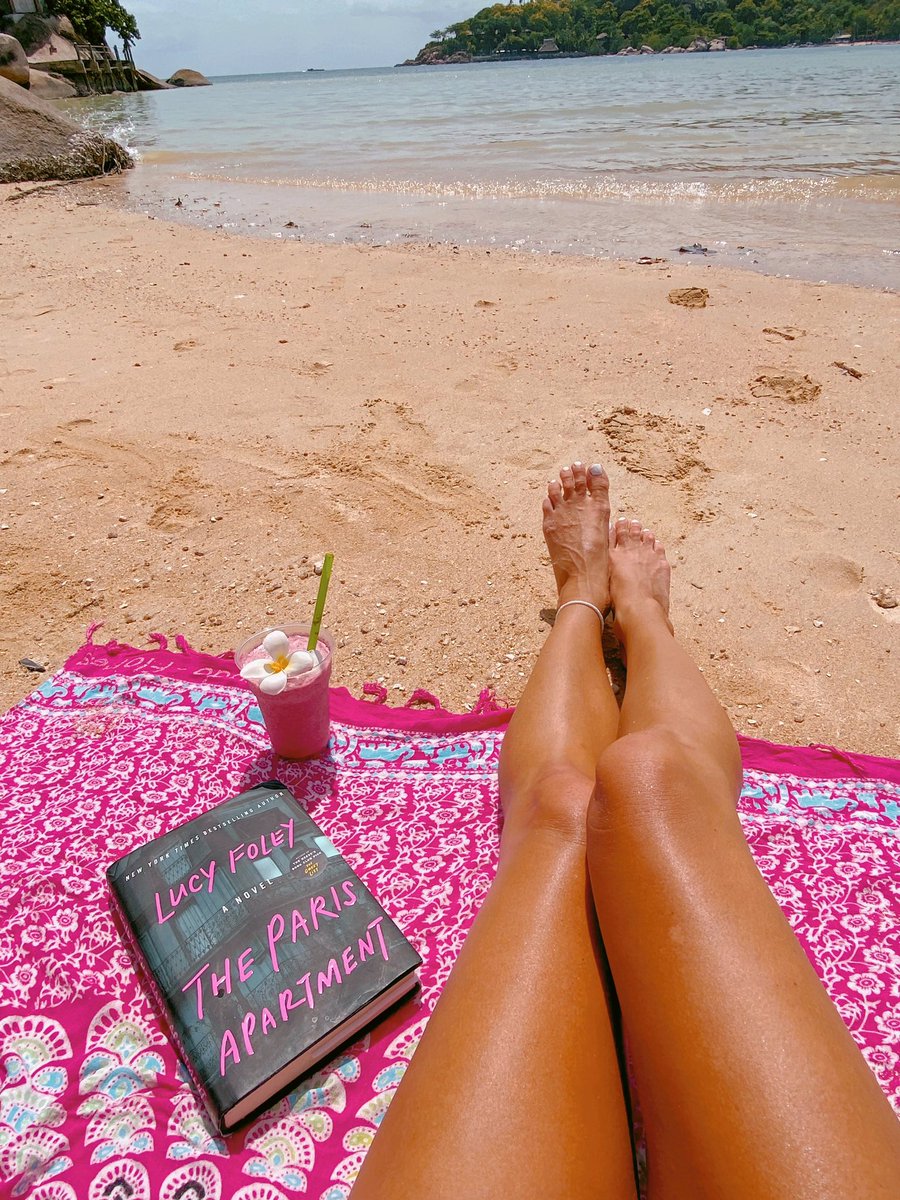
(228, 37)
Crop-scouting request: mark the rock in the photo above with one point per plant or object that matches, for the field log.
(884, 597)
(13, 61)
(691, 297)
(647, 50)
(51, 47)
(187, 78)
(150, 83)
(51, 87)
(37, 142)
(698, 45)
(66, 29)
(717, 44)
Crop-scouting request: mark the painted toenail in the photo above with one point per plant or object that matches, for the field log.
(576, 464)
(596, 469)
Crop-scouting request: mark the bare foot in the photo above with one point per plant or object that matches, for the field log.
(576, 530)
(639, 576)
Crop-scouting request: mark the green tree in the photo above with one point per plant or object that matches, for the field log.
(576, 24)
(92, 18)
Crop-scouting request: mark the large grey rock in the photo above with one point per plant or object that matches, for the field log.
(13, 61)
(65, 28)
(51, 87)
(150, 83)
(37, 142)
(188, 78)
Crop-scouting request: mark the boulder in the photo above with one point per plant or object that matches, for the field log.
(37, 142)
(698, 45)
(66, 29)
(188, 78)
(647, 50)
(51, 87)
(13, 61)
(717, 44)
(150, 83)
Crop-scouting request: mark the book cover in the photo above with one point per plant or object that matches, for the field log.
(265, 951)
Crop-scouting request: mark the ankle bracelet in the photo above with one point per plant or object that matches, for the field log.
(586, 603)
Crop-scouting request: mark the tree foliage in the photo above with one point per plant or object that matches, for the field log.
(575, 25)
(92, 18)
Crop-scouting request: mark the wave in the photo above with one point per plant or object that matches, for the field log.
(869, 188)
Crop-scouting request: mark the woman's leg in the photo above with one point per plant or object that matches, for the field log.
(515, 1088)
(749, 1082)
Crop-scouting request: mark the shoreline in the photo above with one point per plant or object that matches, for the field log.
(193, 418)
(366, 213)
(626, 52)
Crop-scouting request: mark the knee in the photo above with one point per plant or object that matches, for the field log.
(656, 774)
(554, 799)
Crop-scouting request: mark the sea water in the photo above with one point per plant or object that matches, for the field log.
(785, 161)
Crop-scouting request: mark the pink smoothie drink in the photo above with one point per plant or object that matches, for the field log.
(297, 718)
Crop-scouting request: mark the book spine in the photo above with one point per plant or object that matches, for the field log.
(164, 1009)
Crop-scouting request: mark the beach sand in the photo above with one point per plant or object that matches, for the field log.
(188, 421)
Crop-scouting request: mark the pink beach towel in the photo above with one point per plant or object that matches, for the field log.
(123, 744)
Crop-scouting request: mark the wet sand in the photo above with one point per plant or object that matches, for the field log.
(189, 420)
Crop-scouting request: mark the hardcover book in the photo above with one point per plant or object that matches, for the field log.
(261, 946)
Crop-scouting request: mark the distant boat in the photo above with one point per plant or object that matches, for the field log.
(308, 69)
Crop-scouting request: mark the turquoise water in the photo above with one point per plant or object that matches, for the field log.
(784, 161)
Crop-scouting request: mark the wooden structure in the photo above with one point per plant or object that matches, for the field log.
(96, 70)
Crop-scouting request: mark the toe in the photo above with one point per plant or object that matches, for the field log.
(554, 492)
(547, 506)
(597, 480)
(567, 479)
(647, 536)
(622, 529)
(579, 475)
(634, 530)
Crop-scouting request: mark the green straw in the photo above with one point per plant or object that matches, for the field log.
(327, 564)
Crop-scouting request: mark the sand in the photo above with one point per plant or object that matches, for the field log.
(188, 421)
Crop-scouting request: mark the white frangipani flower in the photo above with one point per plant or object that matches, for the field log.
(271, 675)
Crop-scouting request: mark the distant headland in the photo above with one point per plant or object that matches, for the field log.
(542, 29)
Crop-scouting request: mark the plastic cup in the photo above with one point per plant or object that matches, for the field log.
(297, 719)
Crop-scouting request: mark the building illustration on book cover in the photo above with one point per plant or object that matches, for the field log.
(263, 947)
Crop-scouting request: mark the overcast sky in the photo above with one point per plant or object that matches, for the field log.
(227, 37)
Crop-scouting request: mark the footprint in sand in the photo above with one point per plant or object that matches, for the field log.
(689, 297)
(787, 333)
(177, 509)
(315, 369)
(838, 573)
(657, 447)
(786, 386)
